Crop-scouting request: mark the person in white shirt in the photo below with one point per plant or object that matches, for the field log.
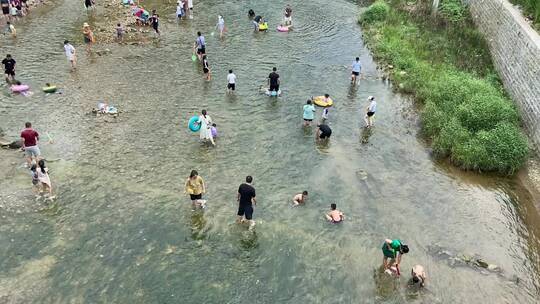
(70, 54)
(190, 6)
(371, 109)
(231, 82)
(180, 10)
(220, 26)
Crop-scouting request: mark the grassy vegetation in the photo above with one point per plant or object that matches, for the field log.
(531, 9)
(445, 63)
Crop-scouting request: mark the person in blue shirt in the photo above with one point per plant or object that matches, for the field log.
(356, 68)
(309, 113)
(200, 45)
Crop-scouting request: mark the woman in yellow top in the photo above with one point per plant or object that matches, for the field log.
(195, 188)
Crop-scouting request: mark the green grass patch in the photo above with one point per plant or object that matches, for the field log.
(531, 9)
(445, 63)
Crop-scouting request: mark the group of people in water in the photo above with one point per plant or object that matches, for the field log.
(39, 172)
(194, 186)
(392, 249)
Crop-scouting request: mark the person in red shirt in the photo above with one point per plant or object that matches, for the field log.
(30, 140)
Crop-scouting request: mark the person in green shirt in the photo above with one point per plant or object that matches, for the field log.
(309, 113)
(392, 252)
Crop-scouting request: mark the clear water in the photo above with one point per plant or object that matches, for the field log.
(121, 231)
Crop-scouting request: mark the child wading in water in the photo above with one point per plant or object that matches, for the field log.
(335, 216)
(154, 20)
(119, 33)
(300, 198)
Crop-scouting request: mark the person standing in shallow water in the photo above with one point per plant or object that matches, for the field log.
(273, 80)
(154, 20)
(206, 68)
(205, 132)
(370, 112)
(70, 54)
(200, 45)
(30, 139)
(195, 187)
(88, 36)
(246, 200)
(356, 69)
(9, 68)
(220, 26)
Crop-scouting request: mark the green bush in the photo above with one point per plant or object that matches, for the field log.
(452, 10)
(503, 149)
(467, 118)
(451, 134)
(376, 12)
(485, 111)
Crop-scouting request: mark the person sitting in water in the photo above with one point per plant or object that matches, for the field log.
(326, 98)
(300, 198)
(251, 13)
(335, 216)
(418, 275)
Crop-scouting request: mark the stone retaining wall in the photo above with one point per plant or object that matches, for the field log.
(515, 48)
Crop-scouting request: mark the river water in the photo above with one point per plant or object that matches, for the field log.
(121, 230)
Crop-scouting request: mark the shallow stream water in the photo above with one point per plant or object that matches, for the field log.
(121, 231)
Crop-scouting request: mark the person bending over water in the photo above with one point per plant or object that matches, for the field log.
(323, 132)
(335, 216)
(300, 198)
(392, 252)
(195, 187)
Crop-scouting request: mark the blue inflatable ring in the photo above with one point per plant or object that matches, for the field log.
(193, 125)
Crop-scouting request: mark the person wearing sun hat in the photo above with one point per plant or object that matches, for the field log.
(88, 36)
(370, 111)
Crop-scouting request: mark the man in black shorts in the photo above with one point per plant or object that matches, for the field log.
(9, 67)
(273, 80)
(323, 131)
(200, 45)
(246, 200)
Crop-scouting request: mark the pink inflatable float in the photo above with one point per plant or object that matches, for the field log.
(19, 88)
(282, 28)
